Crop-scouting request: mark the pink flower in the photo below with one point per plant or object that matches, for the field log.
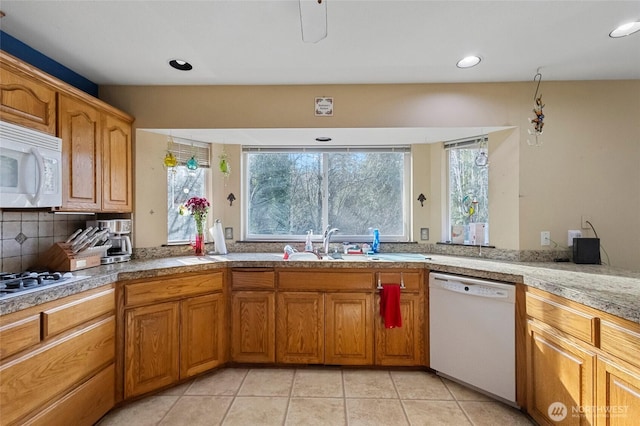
(198, 207)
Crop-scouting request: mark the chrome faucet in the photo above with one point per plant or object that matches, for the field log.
(327, 238)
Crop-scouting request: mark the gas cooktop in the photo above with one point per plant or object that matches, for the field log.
(25, 282)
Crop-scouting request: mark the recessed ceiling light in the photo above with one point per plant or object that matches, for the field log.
(181, 65)
(468, 62)
(625, 29)
(323, 139)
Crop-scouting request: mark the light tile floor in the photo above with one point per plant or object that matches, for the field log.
(316, 396)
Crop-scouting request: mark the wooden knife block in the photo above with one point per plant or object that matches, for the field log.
(60, 258)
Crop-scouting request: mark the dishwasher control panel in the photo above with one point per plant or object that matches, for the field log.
(472, 286)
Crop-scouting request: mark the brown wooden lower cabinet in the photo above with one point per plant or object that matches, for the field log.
(401, 346)
(300, 328)
(30, 381)
(618, 393)
(202, 337)
(349, 328)
(560, 371)
(170, 341)
(84, 405)
(253, 326)
(151, 347)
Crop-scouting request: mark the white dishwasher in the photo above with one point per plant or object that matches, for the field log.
(472, 333)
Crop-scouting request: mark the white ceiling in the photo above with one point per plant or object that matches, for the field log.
(368, 41)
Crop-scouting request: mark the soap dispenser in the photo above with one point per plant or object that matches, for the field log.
(308, 246)
(375, 246)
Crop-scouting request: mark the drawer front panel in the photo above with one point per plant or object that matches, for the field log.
(620, 341)
(85, 405)
(411, 280)
(571, 321)
(253, 280)
(61, 318)
(325, 281)
(150, 291)
(28, 382)
(19, 335)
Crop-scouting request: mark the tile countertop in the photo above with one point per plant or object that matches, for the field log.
(614, 291)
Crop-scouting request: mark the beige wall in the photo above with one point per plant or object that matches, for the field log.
(588, 163)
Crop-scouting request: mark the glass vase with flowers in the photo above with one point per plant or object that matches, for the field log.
(198, 207)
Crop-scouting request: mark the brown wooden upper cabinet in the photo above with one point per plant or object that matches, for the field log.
(96, 138)
(116, 164)
(79, 125)
(26, 102)
(96, 157)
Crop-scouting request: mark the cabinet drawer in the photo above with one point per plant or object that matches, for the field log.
(412, 280)
(69, 315)
(621, 341)
(322, 280)
(569, 320)
(28, 382)
(85, 405)
(18, 335)
(253, 279)
(175, 287)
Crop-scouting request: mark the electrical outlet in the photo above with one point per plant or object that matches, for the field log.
(584, 219)
(424, 233)
(575, 233)
(545, 238)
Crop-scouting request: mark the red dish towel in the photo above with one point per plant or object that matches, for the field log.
(390, 305)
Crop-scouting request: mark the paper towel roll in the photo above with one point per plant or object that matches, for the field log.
(217, 233)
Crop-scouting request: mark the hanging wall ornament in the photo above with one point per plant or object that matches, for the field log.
(223, 165)
(192, 163)
(538, 121)
(170, 160)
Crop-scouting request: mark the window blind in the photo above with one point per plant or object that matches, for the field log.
(399, 148)
(466, 142)
(184, 150)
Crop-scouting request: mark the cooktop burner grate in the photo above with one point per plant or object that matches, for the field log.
(12, 283)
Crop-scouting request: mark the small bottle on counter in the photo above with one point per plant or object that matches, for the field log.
(308, 246)
(375, 246)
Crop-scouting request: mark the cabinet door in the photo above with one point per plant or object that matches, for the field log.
(116, 167)
(79, 125)
(25, 102)
(151, 348)
(401, 345)
(618, 393)
(253, 327)
(560, 378)
(300, 328)
(349, 328)
(202, 334)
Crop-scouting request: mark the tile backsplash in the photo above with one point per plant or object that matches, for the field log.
(26, 235)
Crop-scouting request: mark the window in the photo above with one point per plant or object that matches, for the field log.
(468, 191)
(290, 192)
(183, 184)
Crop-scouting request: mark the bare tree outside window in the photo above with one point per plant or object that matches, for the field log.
(290, 193)
(182, 184)
(468, 188)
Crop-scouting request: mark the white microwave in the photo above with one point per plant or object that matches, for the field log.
(30, 168)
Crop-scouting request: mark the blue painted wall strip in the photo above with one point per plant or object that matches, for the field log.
(22, 51)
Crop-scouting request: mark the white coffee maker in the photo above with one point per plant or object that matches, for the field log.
(119, 231)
